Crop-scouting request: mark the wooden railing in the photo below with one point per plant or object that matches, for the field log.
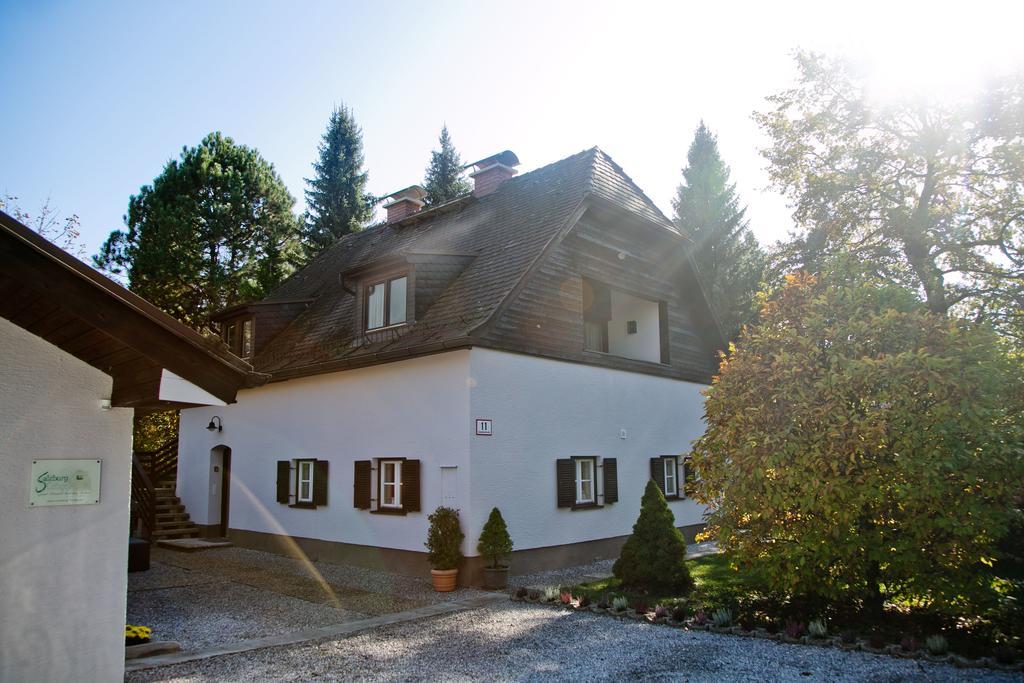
(143, 515)
(162, 464)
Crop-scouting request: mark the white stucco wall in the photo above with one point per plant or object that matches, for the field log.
(547, 409)
(63, 575)
(645, 344)
(416, 409)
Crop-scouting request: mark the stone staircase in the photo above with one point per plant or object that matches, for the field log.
(172, 521)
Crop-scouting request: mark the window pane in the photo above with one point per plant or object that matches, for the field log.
(246, 338)
(375, 306)
(670, 477)
(396, 311)
(231, 335)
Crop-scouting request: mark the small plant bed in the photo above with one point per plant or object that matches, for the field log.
(726, 601)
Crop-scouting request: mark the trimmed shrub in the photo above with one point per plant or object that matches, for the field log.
(494, 543)
(653, 560)
(444, 539)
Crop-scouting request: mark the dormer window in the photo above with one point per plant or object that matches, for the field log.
(386, 303)
(238, 335)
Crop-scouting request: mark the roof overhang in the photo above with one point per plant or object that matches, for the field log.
(48, 292)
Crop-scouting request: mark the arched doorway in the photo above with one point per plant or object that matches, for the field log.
(220, 489)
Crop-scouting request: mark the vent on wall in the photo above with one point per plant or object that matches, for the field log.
(630, 327)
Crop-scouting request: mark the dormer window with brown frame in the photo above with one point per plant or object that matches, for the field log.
(386, 302)
(238, 335)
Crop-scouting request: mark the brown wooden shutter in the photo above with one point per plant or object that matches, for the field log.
(658, 473)
(411, 485)
(611, 480)
(284, 474)
(565, 471)
(689, 476)
(361, 486)
(320, 482)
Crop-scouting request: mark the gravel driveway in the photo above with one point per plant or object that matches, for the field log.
(515, 641)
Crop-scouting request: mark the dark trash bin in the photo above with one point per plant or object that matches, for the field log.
(138, 555)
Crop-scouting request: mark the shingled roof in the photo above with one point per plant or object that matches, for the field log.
(500, 235)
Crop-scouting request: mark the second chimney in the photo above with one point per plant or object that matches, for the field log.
(492, 172)
(404, 203)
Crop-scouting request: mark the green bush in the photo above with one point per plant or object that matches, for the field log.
(653, 560)
(494, 543)
(444, 539)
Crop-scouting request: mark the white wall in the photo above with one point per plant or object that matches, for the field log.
(416, 409)
(645, 344)
(63, 569)
(546, 409)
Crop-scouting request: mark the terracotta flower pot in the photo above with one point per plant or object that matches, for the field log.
(444, 579)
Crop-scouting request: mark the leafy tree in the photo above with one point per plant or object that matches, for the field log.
(494, 542)
(444, 179)
(931, 193)
(729, 261)
(337, 198)
(214, 229)
(653, 559)
(861, 447)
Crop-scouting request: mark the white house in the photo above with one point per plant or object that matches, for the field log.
(539, 346)
(77, 352)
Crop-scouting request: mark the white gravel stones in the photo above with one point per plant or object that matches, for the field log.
(514, 641)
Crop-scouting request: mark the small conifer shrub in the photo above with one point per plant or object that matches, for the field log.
(653, 560)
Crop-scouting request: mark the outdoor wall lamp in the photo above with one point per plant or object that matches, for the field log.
(217, 426)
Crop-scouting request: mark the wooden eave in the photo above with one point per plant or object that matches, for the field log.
(49, 293)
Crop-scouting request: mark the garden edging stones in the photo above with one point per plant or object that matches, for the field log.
(890, 650)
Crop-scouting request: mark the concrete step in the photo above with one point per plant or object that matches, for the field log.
(176, 516)
(162, 534)
(189, 545)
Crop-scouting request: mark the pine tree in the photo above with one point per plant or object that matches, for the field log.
(444, 179)
(729, 261)
(336, 197)
(214, 229)
(653, 559)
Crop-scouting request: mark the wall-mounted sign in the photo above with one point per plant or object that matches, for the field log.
(483, 427)
(64, 482)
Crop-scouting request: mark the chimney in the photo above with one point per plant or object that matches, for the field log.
(491, 172)
(405, 203)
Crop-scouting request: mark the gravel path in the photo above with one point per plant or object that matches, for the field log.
(515, 641)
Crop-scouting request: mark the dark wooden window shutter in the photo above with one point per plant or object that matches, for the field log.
(361, 486)
(320, 482)
(284, 474)
(611, 480)
(689, 477)
(658, 473)
(565, 471)
(411, 485)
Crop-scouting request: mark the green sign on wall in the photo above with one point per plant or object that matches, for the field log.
(64, 482)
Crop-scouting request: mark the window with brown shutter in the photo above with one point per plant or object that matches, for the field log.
(411, 486)
(284, 474)
(690, 477)
(320, 482)
(665, 473)
(565, 474)
(362, 487)
(611, 480)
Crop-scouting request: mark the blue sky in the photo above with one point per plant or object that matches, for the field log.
(97, 97)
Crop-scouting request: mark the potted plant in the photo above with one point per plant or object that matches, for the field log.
(495, 544)
(444, 546)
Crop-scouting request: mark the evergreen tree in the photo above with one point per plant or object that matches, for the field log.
(337, 198)
(444, 179)
(494, 542)
(214, 229)
(729, 261)
(653, 559)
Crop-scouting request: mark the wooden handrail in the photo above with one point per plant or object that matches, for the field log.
(143, 508)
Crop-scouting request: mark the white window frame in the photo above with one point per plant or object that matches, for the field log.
(671, 465)
(580, 500)
(300, 480)
(397, 483)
